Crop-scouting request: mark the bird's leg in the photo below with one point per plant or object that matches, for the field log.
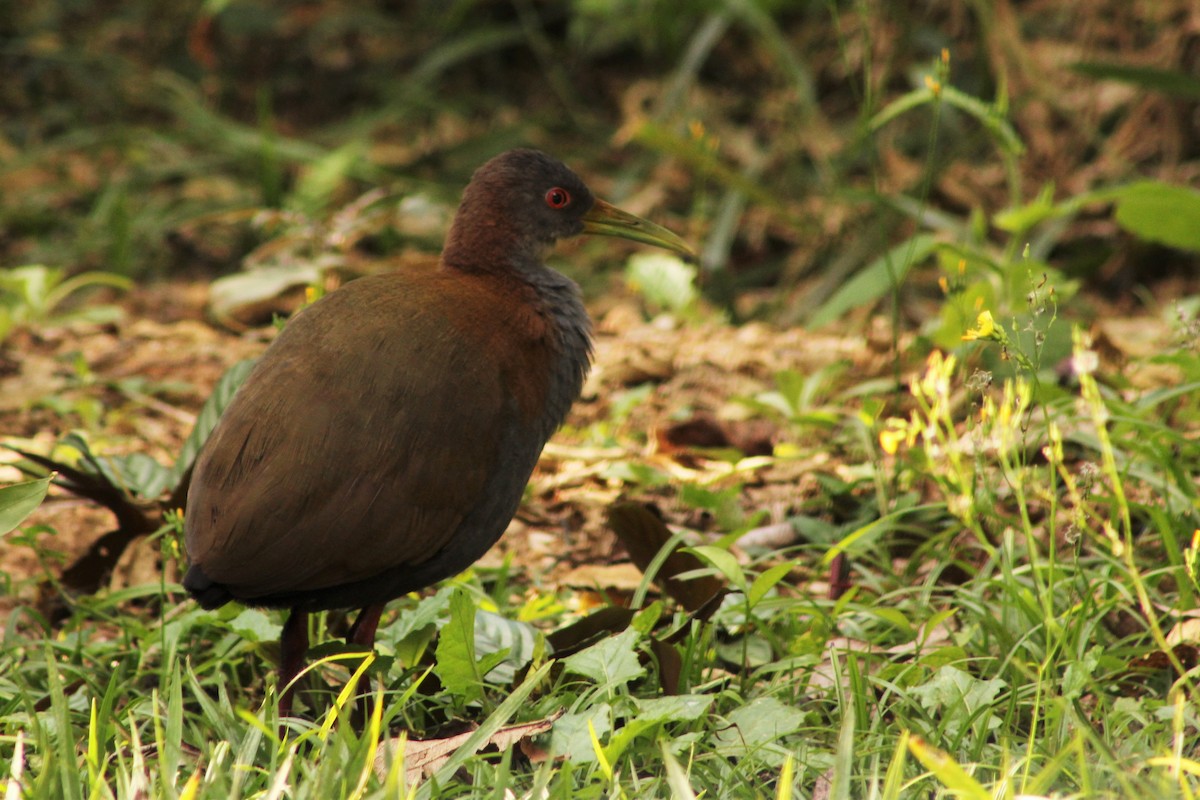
(293, 645)
(362, 632)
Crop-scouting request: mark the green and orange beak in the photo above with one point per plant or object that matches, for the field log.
(605, 219)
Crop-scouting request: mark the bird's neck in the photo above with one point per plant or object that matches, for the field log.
(476, 244)
(490, 256)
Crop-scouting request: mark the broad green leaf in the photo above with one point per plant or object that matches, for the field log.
(513, 641)
(959, 699)
(428, 612)
(676, 708)
(762, 721)
(611, 662)
(750, 650)
(254, 625)
(571, 738)
(456, 665)
(876, 279)
(19, 500)
(1162, 213)
(138, 474)
(134, 474)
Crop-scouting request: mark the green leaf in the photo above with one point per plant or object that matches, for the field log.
(947, 770)
(456, 666)
(751, 650)
(768, 579)
(764, 721)
(652, 713)
(876, 279)
(228, 294)
(664, 280)
(959, 699)
(206, 420)
(677, 708)
(511, 640)
(134, 474)
(571, 738)
(1024, 217)
(1080, 675)
(636, 473)
(1173, 82)
(253, 625)
(894, 617)
(677, 777)
(1162, 213)
(724, 562)
(19, 500)
(320, 179)
(137, 473)
(428, 611)
(611, 662)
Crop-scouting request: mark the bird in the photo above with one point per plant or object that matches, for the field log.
(384, 439)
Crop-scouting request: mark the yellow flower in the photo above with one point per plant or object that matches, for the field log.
(890, 439)
(985, 328)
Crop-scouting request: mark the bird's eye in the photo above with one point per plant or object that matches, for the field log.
(558, 198)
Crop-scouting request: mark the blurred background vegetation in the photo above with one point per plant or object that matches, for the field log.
(823, 154)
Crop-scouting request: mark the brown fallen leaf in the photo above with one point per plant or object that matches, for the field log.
(425, 757)
(644, 534)
(752, 437)
(608, 621)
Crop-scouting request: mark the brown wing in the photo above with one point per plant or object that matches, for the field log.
(359, 443)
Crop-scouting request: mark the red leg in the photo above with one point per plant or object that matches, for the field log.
(293, 645)
(362, 632)
(839, 576)
(364, 627)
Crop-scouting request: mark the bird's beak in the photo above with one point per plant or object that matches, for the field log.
(605, 219)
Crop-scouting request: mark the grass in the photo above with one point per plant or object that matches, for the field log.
(1016, 626)
(1022, 539)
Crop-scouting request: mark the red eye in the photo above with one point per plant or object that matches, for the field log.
(558, 198)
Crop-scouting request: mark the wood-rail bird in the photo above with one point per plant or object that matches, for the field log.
(383, 441)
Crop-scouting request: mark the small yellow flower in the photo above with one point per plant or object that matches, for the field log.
(890, 439)
(985, 328)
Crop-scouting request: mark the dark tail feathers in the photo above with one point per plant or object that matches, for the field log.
(207, 593)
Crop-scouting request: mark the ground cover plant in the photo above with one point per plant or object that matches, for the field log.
(892, 495)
